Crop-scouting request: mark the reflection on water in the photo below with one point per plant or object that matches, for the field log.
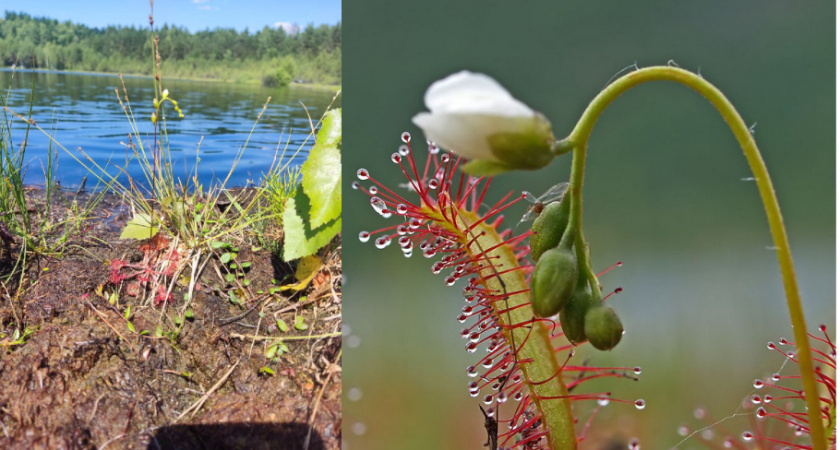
(82, 112)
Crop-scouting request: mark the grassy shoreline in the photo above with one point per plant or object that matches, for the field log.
(318, 86)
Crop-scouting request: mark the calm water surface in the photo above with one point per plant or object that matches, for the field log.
(82, 113)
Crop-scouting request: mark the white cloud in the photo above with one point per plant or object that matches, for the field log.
(290, 28)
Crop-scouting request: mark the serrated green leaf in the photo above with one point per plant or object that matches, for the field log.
(139, 227)
(300, 238)
(322, 172)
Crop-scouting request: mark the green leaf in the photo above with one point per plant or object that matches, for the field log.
(270, 351)
(158, 331)
(245, 265)
(299, 323)
(218, 244)
(322, 172)
(130, 326)
(230, 277)
(281, 325)
(128, 312)
(139, 227)
(189, 314)
(266, 369)
(225, 258)
(300, 238)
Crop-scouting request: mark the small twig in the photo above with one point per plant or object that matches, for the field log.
(197, 405)
(125, 430)
(234, 319)
(284, 338)
(102, 316)
(318, 403)
(95, 407)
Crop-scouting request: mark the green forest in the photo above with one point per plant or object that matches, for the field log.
(269, 56)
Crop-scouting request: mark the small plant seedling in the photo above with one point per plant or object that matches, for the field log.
(300, 324)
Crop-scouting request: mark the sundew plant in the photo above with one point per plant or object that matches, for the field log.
(533, 299)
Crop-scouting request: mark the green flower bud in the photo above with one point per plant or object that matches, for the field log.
(573, 316)
(603, 327)
(554, 279)
(549, 227)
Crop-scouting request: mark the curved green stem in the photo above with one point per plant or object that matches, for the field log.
(580, 136)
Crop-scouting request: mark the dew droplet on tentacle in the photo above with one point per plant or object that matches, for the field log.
(403, 150)
(761, 413)
(433, 148)
(434, 183)
(488, 399)
(382, 242)
(640, 404)
(758, 384)
(396, 158)
(364, 236)
(755, 399)
(406, 137)
(373, 190)
(603, 401)
(637, 370)
(402, 209)
(634, 444)
(363, 174)
(355, 185)
(747, 436)
(472, 372)
(471, 347)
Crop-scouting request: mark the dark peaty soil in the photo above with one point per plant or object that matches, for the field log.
(75, 383)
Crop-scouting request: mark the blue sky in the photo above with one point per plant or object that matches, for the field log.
(195, 15)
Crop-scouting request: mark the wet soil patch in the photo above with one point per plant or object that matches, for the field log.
(84, 380)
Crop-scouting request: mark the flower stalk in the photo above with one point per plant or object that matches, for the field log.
(579, 137)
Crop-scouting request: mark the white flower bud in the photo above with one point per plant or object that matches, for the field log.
(475, 117)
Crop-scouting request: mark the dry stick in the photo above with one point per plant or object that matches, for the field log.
(102, 316)
(125, 431)
(285, 338)
(197, 405)
(318, 403)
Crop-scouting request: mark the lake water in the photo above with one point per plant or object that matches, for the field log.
(82, 112)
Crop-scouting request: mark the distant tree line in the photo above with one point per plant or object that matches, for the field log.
(270, 55)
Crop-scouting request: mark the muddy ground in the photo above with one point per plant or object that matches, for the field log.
(84, 380)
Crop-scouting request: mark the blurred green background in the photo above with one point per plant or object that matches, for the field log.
(665, 193)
